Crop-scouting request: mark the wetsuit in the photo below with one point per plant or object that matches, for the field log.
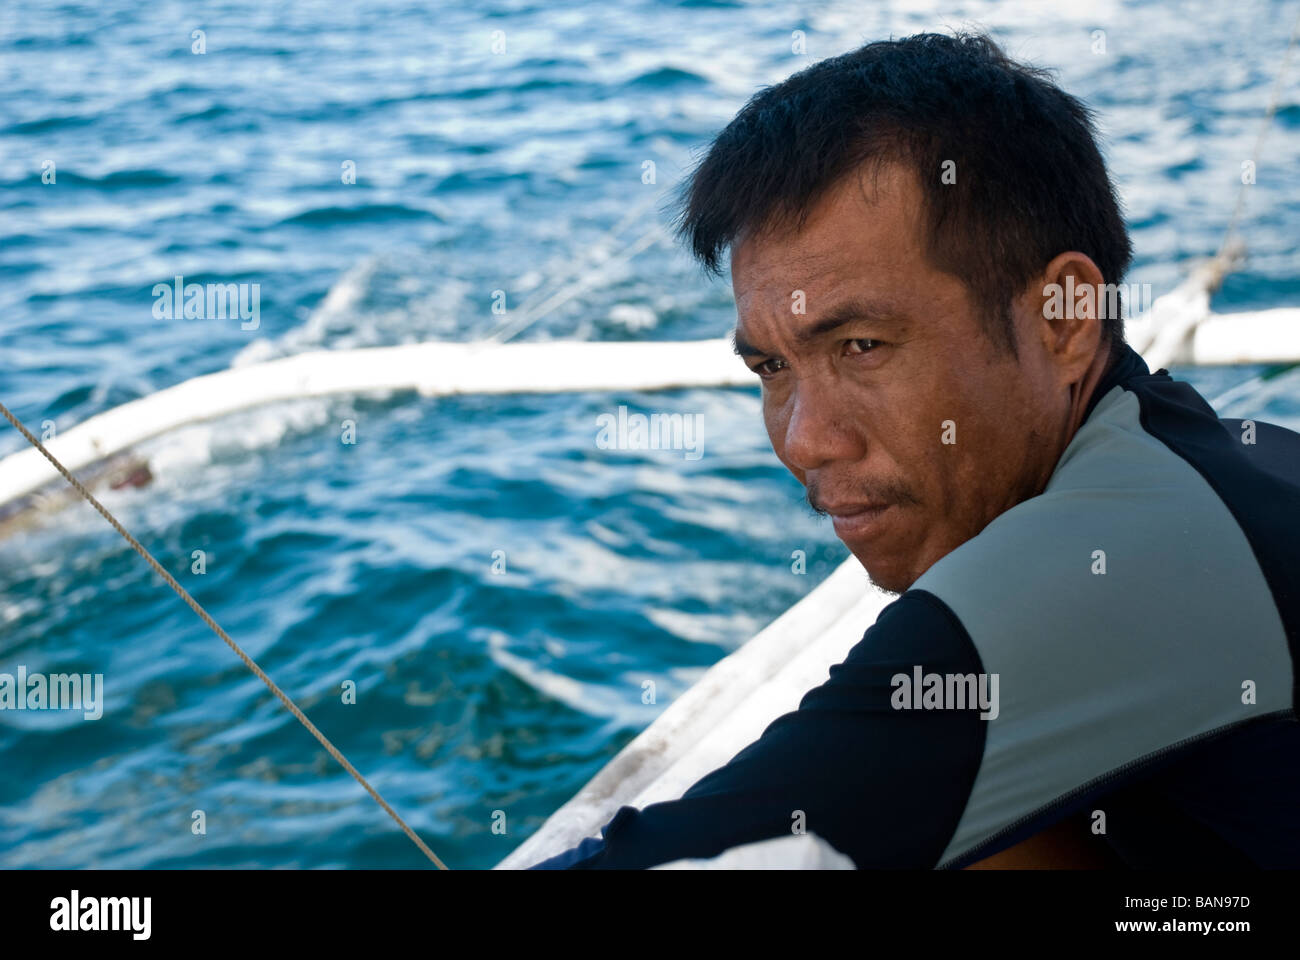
(1142, 616)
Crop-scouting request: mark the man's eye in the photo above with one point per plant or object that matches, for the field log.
(769, 367)
(856, 347)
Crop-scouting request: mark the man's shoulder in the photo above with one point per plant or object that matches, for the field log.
(1132, 536)
(1129, 611)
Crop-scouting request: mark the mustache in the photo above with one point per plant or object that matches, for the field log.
(883, 491)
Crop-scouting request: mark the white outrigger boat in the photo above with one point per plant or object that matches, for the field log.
(735, 700)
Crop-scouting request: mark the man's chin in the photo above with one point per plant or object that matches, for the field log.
(885, 576)
(893, 591)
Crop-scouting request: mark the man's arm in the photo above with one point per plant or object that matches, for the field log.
(884, 786)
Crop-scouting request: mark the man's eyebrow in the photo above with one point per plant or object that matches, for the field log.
(840, 315)
(850, 311)
(743, 347)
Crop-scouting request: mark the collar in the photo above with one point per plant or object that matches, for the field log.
(1124, 366)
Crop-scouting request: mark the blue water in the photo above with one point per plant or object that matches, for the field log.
(373, 562)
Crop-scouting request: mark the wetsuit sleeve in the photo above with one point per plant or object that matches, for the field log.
(884, 786)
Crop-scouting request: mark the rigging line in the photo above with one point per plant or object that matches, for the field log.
(538, 306)
(573, 265)
(1228, 251)
(1237, 212)
(565, 294)
(1250, 385)
(563, 288)
(203, 614)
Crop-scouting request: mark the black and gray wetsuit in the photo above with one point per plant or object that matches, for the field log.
(1160, 693)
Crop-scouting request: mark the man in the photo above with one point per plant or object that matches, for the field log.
(1066, 529)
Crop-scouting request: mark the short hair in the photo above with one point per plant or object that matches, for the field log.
(1030, 181)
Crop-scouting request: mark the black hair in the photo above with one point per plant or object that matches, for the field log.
(1030, 181)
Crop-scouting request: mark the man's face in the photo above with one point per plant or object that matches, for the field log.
(887, 398)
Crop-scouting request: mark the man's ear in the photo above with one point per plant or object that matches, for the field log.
(1071, 297)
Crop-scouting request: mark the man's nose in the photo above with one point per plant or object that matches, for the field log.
(820, 430)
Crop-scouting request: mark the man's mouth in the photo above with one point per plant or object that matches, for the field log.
(858, 521)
